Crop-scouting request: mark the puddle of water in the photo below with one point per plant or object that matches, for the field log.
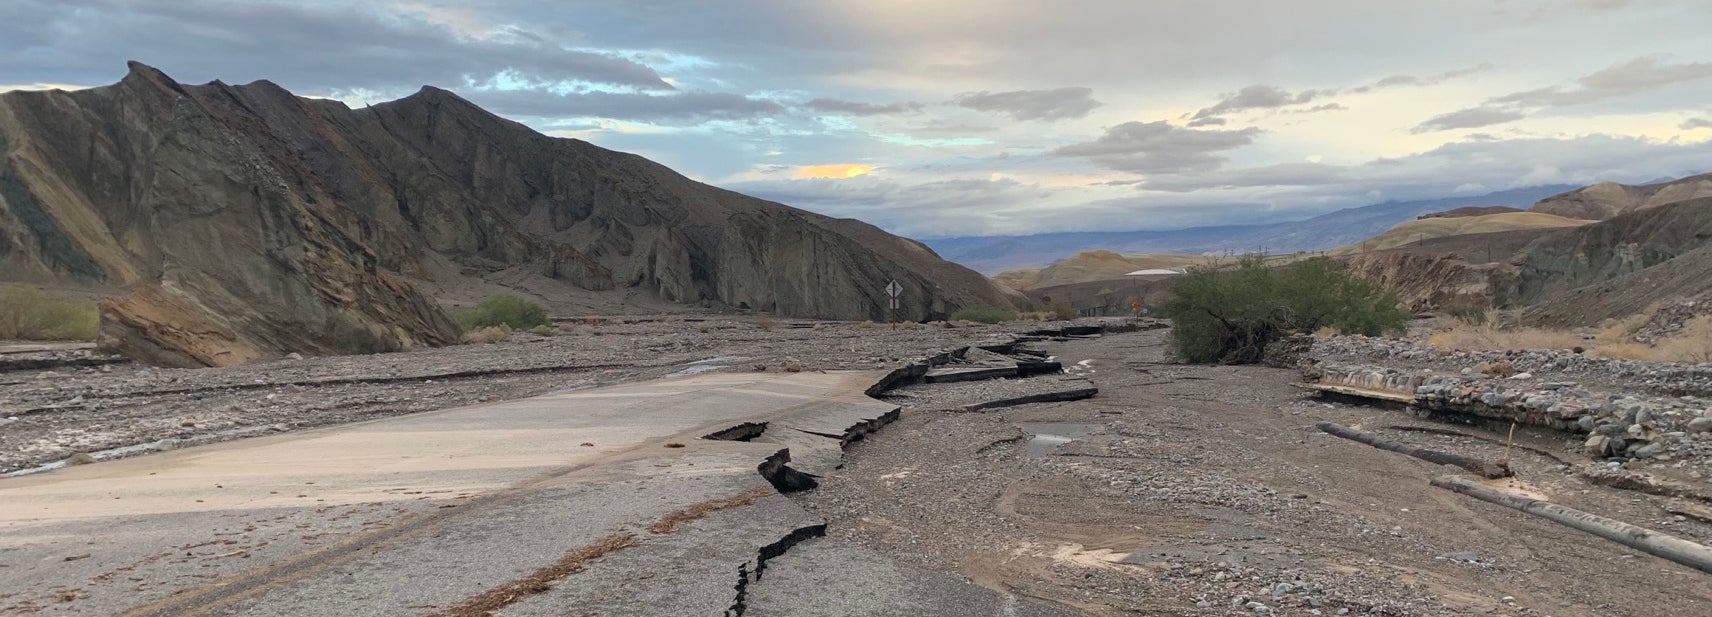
(711, 364)
(1046, 436)
(697, 370)
(719, 360)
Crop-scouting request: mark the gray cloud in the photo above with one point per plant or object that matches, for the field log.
(1257, 194)
(1632, 77)
(937, 208)
(1055, 104)
(1263, 96)
(1159, 147)
(683, 107)
(858, 108)
(1696, 123)
(1284, 174)
(1319, 108)
(1259, 96)
(1472, 117)
(1628, 78)
(1208, 121)
(1430, 80)
(313, 48)
(953, 129)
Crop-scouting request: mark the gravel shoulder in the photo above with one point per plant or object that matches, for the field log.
(1195, 490)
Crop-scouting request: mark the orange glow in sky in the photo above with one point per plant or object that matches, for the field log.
(837, 171)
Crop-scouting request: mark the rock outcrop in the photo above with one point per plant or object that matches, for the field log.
(1434, 282)
(1569, 274)
(1609, 199)
(254, 222)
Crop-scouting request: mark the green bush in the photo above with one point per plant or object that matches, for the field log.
(508, 310)
(984, 314)
(1229, 315)
(1063, 311)
(27, 313)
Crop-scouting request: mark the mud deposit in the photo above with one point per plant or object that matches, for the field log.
(1191, 490)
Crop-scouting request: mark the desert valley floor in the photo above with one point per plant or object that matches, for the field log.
(1175, 490)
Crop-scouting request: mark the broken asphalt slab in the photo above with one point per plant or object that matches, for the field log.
(605, 497)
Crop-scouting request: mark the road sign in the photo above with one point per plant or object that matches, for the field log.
(894, 290)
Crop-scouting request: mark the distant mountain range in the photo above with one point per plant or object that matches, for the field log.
(994, 254)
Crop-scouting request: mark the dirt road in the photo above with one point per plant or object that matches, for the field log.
(1196, 490)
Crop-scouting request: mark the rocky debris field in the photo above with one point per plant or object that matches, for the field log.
(48, 416)
(1631, 376)
(1625, 414)
(1207, 490)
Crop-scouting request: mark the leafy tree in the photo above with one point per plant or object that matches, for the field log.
(1230, 315)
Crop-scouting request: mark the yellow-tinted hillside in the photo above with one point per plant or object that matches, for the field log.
(1426, 229)
(1091, 266)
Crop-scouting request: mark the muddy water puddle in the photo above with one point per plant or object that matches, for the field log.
(1044, 437)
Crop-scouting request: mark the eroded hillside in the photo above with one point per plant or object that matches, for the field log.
(256, 222)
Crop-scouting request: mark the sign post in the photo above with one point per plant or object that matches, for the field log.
(894, 291)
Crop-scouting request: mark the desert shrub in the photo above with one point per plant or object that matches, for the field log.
(544, 330)
(1063, 311)
(512, 311)
(1692, 344)
(984, 314)
(1229, 315)
(488, 334)
(762, 321)
(1493, 338)
(27, 313)
(1468, 313)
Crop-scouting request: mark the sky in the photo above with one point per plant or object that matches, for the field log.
(986, 117)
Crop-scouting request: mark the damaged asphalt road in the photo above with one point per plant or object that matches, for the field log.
(1176, 490)
(606, 501)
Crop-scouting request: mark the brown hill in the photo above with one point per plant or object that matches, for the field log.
(1423, 229)
(1609, 199)
(1091, 266)
(1569, 275)
(256, 222)
(1469, 211)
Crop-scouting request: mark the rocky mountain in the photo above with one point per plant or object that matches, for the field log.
(1566, 272)
(995, 254)
(250, 222)
(1609, 199)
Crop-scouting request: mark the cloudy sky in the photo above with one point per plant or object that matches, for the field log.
(981, 117)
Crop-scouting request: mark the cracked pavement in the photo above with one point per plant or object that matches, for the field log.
(604, 501)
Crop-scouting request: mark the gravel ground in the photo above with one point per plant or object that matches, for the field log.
(1194, 490)
(1644, 416)
(1660, 378)
(47, 416)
